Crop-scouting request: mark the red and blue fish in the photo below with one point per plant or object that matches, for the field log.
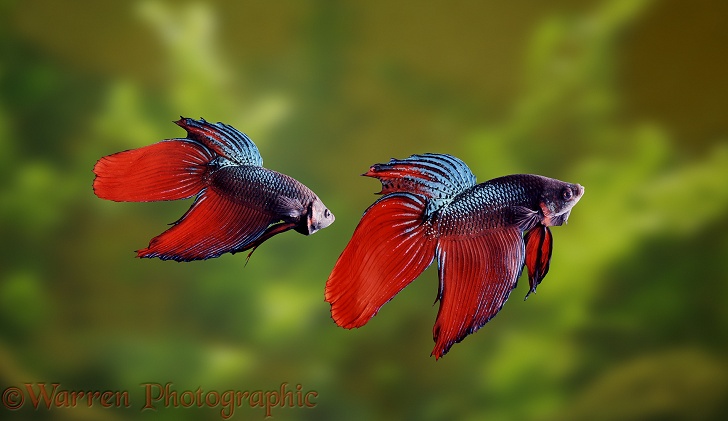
(482, 235)
(239, 204)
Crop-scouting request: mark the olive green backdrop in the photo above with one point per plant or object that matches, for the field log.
(628, 98)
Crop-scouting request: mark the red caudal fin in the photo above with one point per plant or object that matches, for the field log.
(389, 249)
(539, 245)
(167, 170)
(477, 273)
(214, 225)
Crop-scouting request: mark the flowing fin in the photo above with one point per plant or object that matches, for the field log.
(225, 140)
(476, 276)
(439, 177)
(167, 170)
(389, 249)
(539, 244)
(214, 225)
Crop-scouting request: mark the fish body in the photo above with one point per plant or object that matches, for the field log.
(501, 202)
(238, 204)
(268, 191)
(481, 235)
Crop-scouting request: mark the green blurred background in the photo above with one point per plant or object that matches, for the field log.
(628, 98)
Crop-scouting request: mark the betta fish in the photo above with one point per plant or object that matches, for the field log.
(482, 235)
(238, 204)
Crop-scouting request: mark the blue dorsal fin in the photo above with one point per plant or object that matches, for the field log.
(439, 177)
(223, 139)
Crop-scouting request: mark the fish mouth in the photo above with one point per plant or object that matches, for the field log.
(315, 224)
(561, 219)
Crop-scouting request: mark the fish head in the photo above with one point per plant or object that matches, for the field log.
(557, 200)
(319, 216)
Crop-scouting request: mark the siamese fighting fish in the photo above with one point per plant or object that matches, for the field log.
(481, 235)
(238, 204)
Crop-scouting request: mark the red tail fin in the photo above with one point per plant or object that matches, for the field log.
(389, 249)
(168, 170)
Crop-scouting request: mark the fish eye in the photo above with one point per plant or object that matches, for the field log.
(567, 193)
(326, 213)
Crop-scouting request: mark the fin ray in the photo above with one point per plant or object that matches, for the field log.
(439, 177)
(167, 170)
(212, 226)
(223, 139)
(539, 245)
(389, 248)
(477, 274)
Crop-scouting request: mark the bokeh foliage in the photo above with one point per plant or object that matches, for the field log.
(627, 98)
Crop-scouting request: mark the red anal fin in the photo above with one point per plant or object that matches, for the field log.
(167, 170)
(214, 225)
(389, 249)
(539, 245)
(476, 276)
